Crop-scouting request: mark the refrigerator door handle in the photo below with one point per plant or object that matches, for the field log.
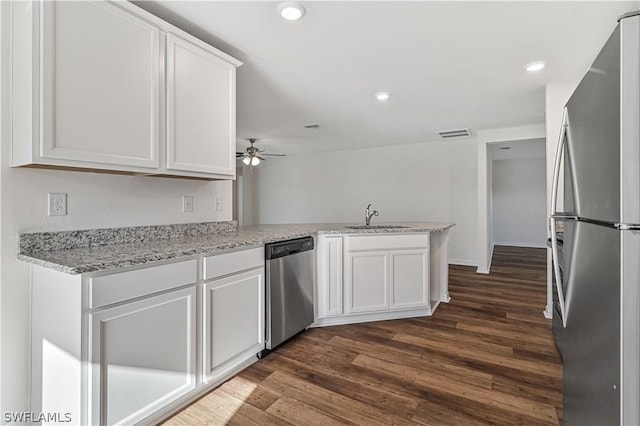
(558, 162)
(553, 217)
(627, 226)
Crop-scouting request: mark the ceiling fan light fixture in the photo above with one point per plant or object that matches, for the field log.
(255, 161)
(246, 160)
(291, 10)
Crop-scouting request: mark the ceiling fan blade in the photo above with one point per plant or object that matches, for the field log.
(261, 158)
(276, 155)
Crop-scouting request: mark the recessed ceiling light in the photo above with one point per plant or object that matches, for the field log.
(382, 96)
(535, 66)
(291, 10)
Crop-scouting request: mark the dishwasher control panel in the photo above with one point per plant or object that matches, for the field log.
(288, 247)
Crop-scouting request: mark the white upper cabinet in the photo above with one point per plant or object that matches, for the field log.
(108, 86)
(200, 109)
(101, 92)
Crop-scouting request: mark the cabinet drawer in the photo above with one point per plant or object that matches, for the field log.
(229, 263)
(388, 242)
(108, 289)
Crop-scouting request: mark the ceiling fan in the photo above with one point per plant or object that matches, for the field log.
(252, 156)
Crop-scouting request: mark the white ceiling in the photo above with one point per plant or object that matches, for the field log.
(447, 65)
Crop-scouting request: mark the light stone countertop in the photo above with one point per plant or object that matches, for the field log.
(106, 254)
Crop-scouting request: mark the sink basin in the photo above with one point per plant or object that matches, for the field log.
(375, 226)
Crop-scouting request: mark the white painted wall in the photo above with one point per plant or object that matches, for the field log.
(433, 181)
(94, 201)
(519, 202)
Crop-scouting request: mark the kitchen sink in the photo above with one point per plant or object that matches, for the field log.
(375, 226)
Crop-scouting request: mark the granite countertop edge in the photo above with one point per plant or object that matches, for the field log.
(108, 257)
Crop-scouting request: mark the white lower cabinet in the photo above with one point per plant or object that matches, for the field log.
(131, 346)
(329, 286)
(372, 277)
(368, 288)
(142, 356)
(234, 322)
(409, 278)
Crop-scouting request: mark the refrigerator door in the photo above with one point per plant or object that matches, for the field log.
(630, 124)
(630, 333)
(591, 339)
(593, 143)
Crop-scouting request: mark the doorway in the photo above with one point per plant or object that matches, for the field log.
(518, 193)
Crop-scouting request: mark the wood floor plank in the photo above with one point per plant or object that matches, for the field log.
(333, 379)
(299, 413)
(485, 358)
(430, 413)
(345, 408)
(459, 390)
(251, 393)
(427, 364)
(547, 369)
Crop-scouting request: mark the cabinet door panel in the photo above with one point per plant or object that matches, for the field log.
(330, 270)
(234, 319)
(368, 281)
(142, 356)
(200, 110)
(409, 278)
(101, 85)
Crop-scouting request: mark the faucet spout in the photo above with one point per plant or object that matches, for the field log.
(368, 214)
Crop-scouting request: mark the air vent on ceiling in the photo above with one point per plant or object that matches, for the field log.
(457, 133)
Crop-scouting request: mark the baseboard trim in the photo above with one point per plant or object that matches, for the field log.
(463, 262)
(486, 269)
(526, 245)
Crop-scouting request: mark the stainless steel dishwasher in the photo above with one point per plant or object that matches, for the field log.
(289, 290)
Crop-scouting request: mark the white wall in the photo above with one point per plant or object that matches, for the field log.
(519, 202)
(94, 201)
(433, 181)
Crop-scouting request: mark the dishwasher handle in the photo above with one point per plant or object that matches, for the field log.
(288, 247)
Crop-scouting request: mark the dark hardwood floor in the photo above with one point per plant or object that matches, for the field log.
(487, 357)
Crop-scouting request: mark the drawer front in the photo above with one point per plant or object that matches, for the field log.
(388, 242)
(230, 263)
(109, 289)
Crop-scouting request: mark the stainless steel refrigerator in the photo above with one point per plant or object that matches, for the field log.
(596, 237)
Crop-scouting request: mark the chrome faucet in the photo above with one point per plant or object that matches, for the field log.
(368, 214)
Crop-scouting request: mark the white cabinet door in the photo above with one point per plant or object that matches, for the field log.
(330, 276)
(233, 321)
(101, 85)
(409, 278)
(142, 356)
(201, 118)
(368, 283)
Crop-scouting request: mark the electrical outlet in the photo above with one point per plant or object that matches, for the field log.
(187, 204)
(218, 204)
(57, 204)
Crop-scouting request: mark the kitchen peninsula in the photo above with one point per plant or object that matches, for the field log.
(108, 303)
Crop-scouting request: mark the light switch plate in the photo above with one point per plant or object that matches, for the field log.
(57, 204)
(218, 204)
(187, 203)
